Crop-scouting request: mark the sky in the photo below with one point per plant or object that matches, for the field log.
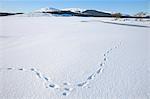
(123, 6)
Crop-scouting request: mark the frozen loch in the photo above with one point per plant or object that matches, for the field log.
(74, 58)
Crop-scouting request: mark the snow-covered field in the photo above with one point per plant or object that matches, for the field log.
(74, 58)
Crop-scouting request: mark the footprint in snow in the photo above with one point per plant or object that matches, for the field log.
(104, 54)
(66, 83)
(105, 59)
(102, 64)
(83, 84)
(32, 69)
(46, 78)
(21, 69)
(91, 77)
(54, 86)
(99, 70)
(65, 94)
(110, 50)
(115, 47)
(107, 52)
(67, 91)
(38, 74)
(9, 68)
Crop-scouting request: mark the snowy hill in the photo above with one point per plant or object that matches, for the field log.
(73, 12)
(35, 14)
(47, 9)
(76, 10)
(95, 13)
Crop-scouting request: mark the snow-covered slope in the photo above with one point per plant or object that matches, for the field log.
(73, 58)
(35, 14)
(76, 10)
(50, 9)
(47, 9)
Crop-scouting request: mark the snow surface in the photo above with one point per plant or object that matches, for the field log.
(74, 58)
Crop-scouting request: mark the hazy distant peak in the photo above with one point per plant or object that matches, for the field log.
(73, 9)
(47, 9)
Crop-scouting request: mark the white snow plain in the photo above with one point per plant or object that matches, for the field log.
(74, 58)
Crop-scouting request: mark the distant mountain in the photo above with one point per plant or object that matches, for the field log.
(47, 9)
(96, 13)
(75, 10)
(7, 14)
(35, 14)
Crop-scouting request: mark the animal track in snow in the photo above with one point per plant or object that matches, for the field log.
(67, 87)
(100, 69)
(45, 79)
